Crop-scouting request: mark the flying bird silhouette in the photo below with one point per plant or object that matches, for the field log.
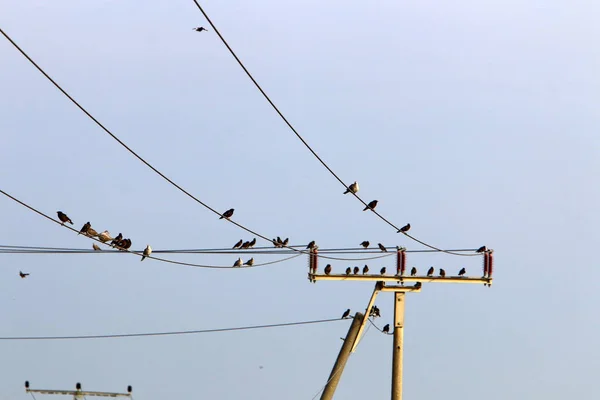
(85, 227)
(23, 275)
(147, 252)
(365, 244)
(200, 29)
(352, 188)
(63, 218)
(227, 214)
(371, 205)
(404, 229)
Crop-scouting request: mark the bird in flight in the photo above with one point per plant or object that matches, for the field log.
(23, 275)
(352, 188)
(200, 29)
(371, 205)
(63, 217)
(227, 214)
(147, 252)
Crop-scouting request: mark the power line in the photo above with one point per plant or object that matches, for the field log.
(140, 253)
(172, 333)
(314, 153)
(127, 147)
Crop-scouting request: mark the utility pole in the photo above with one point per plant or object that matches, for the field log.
(399, 299)
(340, 363)
(78, 393)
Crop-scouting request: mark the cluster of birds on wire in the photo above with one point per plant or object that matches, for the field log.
(374, 312)
(382, 271)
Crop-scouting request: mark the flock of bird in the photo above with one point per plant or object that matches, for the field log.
(374, 313)
(382, 271)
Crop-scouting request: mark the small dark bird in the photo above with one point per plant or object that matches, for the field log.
(285, 242)
(481, 249)
(371, 205)
(227, 214)
(365, 269)
(404, 229)
(346, 314)
(348, 271)
(252, 243)
(417, 285)
(311, 245)
(23, 275)
(365, 244)
(127, 244)
(375, 311)
(250, 262)
(238, 244)
(327, 269)
(96, 247)
(430, 271)
(117, 239)
(382, 271)
(356, 270)
(85, 227)
(442, 273)
(63, 218)
(386, 328)
(352, 188)
(462, 272)
(200, 29)
(275, 243)
(245, 245)
(382, 247)
(413, 271)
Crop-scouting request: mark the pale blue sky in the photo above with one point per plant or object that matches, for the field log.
(477, 122)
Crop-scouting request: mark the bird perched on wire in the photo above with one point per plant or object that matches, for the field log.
(147, 252)
(371, 205)
(442, 273)
(252, 243)
(126, 244)
(104, 237)
(116, 240)
(386, 329)
(96, 247)
(481, 249)
(85, 227)
(352, 188)
(63, 218)
(382, 247)
(200, 29)
(365, 244)
(417, 285)
(23, 275)
(365, 269)
(462, 272)
(311, 245)
(227, 214)
(430, 271)
(238, 244)
(404, 229)
(413, 271)
(238, 262)
(375, 312)
(356, 270)
(348, 271)
(250, 262)
(245, 245)
(382, 271)
(285, 242)
(346, 314)
(91, 232)
(327, 269)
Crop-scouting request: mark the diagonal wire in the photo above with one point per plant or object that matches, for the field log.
(137, 252)
(260, 89)
(127, 147)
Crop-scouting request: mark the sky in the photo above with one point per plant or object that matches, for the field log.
(477, 122)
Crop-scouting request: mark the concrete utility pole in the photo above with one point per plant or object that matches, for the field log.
(399, 301)
(78, 393)
(340, 363)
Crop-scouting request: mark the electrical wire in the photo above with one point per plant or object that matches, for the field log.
(141, 253)
(87, 113)
(376, 327)
(314, 153)
(173, 333)
(32, 395)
